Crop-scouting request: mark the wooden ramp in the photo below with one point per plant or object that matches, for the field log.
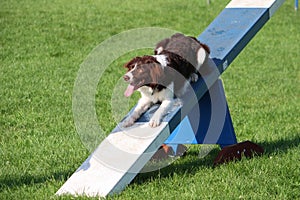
(121, 156)
(116, 161)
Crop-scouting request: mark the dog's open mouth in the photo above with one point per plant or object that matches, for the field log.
(131, 88)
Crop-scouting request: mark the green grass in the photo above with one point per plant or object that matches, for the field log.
(43, 43)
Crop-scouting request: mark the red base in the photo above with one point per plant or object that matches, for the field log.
(236, 151)
(166, 151)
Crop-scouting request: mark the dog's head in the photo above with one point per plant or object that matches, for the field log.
(142, 71)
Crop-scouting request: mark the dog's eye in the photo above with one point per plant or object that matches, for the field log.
(129, 68)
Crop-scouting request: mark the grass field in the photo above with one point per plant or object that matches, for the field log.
(43, 43)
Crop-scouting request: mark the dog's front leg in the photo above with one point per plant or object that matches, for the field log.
(141, 107)
(161, 111)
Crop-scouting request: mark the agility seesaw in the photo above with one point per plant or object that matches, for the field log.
(121, 156)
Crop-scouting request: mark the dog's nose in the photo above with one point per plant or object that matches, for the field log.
(126, 78)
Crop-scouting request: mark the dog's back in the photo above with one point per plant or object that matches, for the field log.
(185, 46)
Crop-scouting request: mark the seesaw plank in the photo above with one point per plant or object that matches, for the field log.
(235, 26)
(123, 153)
(116, 161)
(272, 5)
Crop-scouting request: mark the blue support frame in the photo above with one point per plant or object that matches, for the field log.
(200, 128)
(227, 36)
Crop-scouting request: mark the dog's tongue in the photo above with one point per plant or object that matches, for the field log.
(129, 90)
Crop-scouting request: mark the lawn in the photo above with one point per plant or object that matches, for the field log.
(43, 44)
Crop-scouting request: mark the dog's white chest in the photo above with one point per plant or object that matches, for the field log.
(156, 96)
(150, 95)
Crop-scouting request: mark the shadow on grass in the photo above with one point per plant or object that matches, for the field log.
(191, 163)
(26, 180)
(282, 145)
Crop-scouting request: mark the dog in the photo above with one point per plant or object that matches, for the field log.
(161, 77)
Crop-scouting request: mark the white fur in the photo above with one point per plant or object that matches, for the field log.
(129, 74)
(165, 96)
(159, 50)
(162, 59)
(201, 56)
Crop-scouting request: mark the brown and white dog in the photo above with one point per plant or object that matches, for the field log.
(178, 60)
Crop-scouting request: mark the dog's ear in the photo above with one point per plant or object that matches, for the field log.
(127, 65)
(156, 72)
(130, 65)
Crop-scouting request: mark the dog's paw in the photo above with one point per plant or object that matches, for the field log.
(128, 122)
(154, 122)
(194, 77)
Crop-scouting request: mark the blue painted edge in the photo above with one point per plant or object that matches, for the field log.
(231, 31)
